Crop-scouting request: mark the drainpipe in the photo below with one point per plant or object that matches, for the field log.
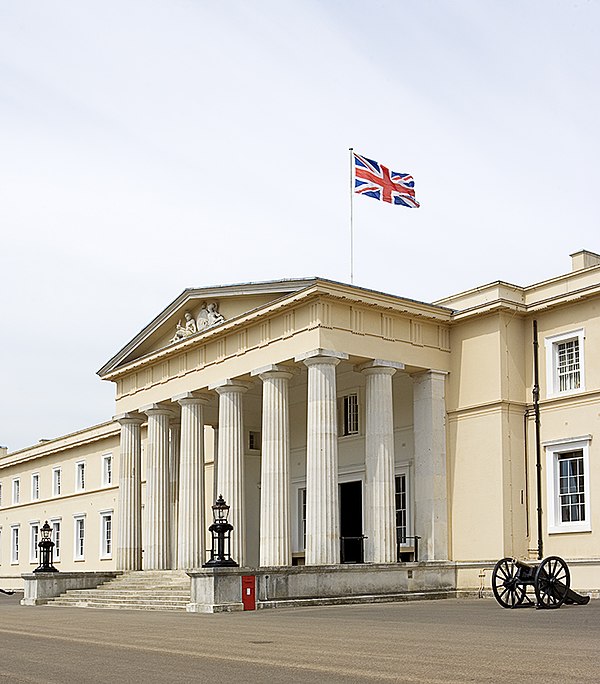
(538, 444)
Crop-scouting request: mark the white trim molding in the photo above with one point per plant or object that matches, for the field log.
(554, 451)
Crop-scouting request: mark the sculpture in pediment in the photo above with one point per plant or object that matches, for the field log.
(183, 331)
(207, 317)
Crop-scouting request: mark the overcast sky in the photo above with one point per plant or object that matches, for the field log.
(149, 146)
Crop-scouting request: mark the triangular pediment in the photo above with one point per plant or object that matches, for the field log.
(198, 311)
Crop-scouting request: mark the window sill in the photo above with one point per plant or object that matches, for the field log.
(570, 529)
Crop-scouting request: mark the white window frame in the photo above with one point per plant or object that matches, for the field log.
(343, 399)
(15, 544)
(0, 545)
(553, 452)
(0, 494)
(16, 491)
(107, 470)
(80, 476)
(106, 549)
(552, 379)
(79, 549)
(56, 481)
(34, 538)
(35, 486)
(55, 523)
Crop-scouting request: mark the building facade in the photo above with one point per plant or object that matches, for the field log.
(339, 424)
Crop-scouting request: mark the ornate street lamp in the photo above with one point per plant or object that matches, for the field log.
(220, 553)
(46, 546)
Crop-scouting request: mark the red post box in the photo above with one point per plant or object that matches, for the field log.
(249, 592)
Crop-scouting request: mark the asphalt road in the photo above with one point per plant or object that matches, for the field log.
(429, 641)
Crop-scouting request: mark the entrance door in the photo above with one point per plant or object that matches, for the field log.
(351, 529)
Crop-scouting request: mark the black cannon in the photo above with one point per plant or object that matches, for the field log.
(550, 579)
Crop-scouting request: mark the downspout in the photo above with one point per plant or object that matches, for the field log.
(538, 444)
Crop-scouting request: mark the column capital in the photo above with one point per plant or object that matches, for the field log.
(322, 356)
(187, 398)
(230, 385)
(379, 366)
(132, 418)
(430, 372)
(158, 409)
(275, 370)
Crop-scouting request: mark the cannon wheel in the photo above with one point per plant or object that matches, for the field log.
(552, 582)
(505, 584)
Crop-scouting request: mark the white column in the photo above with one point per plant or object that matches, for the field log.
(191, 523)
(431, 495)
(322, 506)
(174, 451)
(230, 456)
(157, 554)
(380, 499)
(275, 524)
(129, 510)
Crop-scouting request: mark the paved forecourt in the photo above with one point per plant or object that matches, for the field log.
(429, 641)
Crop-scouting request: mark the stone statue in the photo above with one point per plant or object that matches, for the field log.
(214, 317)
(202, 320)
(182, 332)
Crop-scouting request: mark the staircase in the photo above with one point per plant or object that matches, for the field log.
(145, 590)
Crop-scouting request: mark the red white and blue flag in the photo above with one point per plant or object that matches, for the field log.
(377, 181)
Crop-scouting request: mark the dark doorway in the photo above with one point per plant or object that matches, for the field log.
(351, 529)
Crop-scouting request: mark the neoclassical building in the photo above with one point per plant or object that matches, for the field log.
(338, 423)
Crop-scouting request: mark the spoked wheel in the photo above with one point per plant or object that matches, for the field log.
(552, 582)
(505, 584)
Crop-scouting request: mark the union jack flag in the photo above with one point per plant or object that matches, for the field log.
(377, 181)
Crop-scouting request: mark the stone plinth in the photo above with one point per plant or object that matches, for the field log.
(42, 586)
(216, 590)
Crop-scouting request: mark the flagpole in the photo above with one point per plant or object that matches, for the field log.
(351, 215)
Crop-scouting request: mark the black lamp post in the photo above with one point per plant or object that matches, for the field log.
(220, 553)
(46, 546)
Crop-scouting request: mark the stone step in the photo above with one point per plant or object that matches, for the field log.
(104, 595)
(120, 606)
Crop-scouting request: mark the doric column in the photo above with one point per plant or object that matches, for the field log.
(275, 524)
(431, 497)
(191, 524)
(174, 449)
(230, 456)
(322, 508)
(380, 510)
(157, 553)
(129, 511)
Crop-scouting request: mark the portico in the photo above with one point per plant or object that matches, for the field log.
(284, 435)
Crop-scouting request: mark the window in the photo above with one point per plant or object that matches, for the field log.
(568, 487)
(0, 494)
(401, 509)
(106, 538)
(35, 486)
(14, 544)
(56, 481)
(564, 363)
(79, 538)
(107, 470)
(16, 491)
(349, 414)
(0, 546)
(302, 517)
(56, 539)
(80, 476)
(34, 534)
(254, 440)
